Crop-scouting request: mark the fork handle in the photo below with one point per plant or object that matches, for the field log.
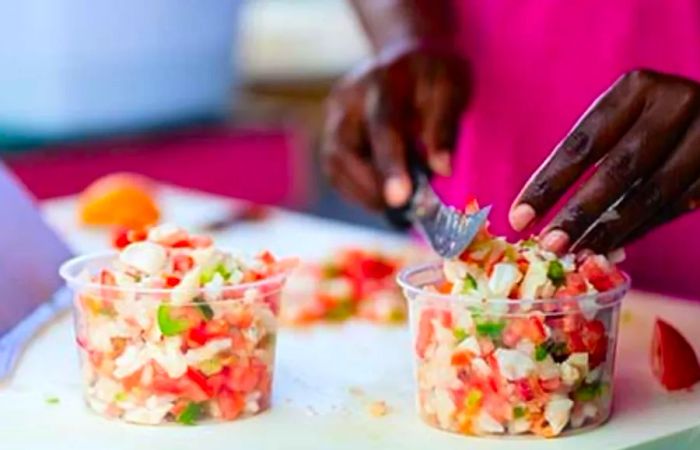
(399, 217)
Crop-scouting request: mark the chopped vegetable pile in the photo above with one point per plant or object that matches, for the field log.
(351, 283)
(176, 330)
(512, 339)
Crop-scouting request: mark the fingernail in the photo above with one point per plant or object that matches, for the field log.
(521, 216)
(441, 163)
(555, 241)
(397, 189)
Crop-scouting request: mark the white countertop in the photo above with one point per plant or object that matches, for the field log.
(316, 404)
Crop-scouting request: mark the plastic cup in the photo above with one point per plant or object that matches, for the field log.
(148, 360)
(511, 367)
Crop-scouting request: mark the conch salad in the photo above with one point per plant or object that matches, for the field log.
(352, 282)
(174, 329)
(515, 349)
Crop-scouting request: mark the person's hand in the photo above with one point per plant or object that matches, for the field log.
(376, 116)
(644, 137)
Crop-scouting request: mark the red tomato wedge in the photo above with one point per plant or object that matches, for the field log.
(673, 360)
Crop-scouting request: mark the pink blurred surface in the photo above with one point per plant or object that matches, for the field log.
(537, 65)
(265, 166)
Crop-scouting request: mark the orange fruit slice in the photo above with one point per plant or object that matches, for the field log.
(121, 199)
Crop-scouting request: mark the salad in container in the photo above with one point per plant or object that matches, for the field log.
(352, 282)
(510, 339)
(173, 329)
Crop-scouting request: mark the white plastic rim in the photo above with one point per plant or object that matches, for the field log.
(71, 270)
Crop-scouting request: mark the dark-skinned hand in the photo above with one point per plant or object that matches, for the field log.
(407, 101)
(642, 137)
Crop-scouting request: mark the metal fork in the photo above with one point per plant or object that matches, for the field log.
(448, 231)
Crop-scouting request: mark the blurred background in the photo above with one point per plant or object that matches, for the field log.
(225, 96)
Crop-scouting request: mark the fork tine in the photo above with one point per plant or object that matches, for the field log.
(463, 234)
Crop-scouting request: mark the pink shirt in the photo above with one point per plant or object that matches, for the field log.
(537, 66)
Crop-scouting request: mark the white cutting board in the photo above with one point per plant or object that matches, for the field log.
(327, 376)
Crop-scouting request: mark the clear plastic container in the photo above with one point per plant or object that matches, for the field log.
(147, 360)
(511, 367)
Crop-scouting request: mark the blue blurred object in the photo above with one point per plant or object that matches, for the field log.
(81, 67)
(30, 255)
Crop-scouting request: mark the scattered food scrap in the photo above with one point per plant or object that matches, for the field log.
(378, 409)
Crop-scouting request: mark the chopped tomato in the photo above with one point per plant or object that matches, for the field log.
(125, 236)
(184, 387)
(445, 287)
(108, 281)
(518, 328)
(471, 204)
(574, 285)
(673, 360)
(376, 268)
(425, 327)
(172, 281)
(238, 341)
(217, 328)
(182, 263)
(120, 238)
(202, 332)
(600, 273)
(524, 390)
(197, 336)
(137, 235)
(523, 264)
(191, 314)
(590, 338)
(230, 403)
(243, 319)
(178, 407)
(95, 357)
(250, 276)
(218, 381)
(572, 321)
(107, 278)
(244, 378)
(200, 380)
(182, 243)
(574, 342)
(536, 331)
(133, 380)
(267, 258)
(596, 342)
(162, 383)
(461, 359)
